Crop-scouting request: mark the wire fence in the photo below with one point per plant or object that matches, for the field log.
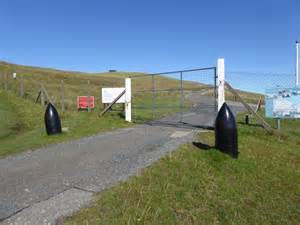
(154, 95)
(259, 82)
(61, 90)
(159, 94)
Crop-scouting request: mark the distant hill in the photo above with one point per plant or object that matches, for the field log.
(76, 83)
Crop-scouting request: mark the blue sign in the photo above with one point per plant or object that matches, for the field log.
(283, 102)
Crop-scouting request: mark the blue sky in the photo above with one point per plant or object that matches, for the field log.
(150, 36)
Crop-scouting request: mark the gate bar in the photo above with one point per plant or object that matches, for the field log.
(178, 71)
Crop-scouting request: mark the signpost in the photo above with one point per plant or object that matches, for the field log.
(283, 103)
(110, 94)
(85, 102)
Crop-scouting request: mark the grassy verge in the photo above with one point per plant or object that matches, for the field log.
(22, 125)
(9, 125)
(22, 122)
(198, 186)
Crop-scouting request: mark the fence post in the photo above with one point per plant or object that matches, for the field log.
(221, 82)
(5, 82)
(181, 97)
(277, 123)
(62, 96)
(42, 95)
(153, 97)
(89, 95)
(21, 86)
(2, 80)
(128, 99)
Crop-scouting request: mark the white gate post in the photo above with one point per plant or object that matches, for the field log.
(297, 62)
(221, 82)
(128, 99)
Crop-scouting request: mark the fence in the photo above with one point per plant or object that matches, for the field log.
(153, 95)
(60, 88)
(159, 94)
(254, 85)
(259, 82)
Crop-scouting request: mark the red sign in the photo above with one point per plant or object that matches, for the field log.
(82, 102)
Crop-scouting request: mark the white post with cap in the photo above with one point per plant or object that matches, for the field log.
(221, 82)
(128, 99)
(297, 62)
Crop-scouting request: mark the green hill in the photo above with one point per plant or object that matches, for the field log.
(22, 125)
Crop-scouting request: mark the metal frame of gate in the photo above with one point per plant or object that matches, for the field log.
(182, 78)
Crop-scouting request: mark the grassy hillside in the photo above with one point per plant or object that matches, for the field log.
(76, 83)
(22, 120)
(10, 122)
(199, 185)
(22, 125)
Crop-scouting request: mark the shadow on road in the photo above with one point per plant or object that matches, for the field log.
(202, 146)
(179, 125)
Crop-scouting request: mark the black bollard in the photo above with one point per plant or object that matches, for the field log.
(226, 138)
(52, 120)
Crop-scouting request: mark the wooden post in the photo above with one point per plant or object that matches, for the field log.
(21, 86)
(250, 110)
(44, 90)
(42, 96)
(2, 80)
(5, 82)
(89, 96)
(278, 123)
(62, 96)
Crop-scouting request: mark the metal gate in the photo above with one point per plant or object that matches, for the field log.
(186, 98)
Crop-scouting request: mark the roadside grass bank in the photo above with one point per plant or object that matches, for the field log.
(22, 125)
(22, 122)
(199, 185)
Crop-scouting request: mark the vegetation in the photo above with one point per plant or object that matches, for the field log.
(199, 185)
(22, 125)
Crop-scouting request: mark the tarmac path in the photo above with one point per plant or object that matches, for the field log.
(41, 186)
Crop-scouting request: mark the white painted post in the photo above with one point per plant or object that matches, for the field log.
(128, 99)
(297, 62)
(221, 82)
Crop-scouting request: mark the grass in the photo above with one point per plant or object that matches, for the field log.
(9, 125)
(22, 125)
(203, 186)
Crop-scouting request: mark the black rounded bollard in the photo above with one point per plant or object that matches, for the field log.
(52, 120)
(226, 137)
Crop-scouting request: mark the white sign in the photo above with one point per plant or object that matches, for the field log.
(110, 94)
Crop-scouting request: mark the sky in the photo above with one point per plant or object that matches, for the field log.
(152, 35)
